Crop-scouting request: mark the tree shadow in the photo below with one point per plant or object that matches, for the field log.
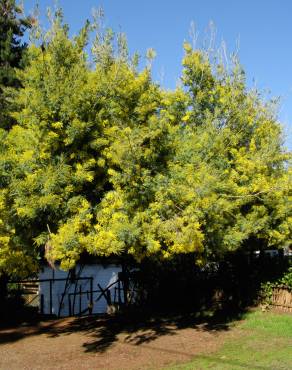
(136, 328)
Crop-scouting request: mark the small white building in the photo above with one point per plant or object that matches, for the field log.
(89, 288)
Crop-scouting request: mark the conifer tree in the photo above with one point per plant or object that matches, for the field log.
(12, 28)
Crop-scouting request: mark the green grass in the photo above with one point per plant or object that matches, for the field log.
(264, 342)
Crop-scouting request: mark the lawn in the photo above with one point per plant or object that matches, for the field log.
(263, 342)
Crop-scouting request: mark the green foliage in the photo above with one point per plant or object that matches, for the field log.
(286, 280)
(12, 28)
(105, 161)
(267, 288)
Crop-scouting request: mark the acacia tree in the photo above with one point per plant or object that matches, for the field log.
(105, 161)
(208, 173)
(54, 160)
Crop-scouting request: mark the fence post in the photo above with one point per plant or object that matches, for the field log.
(80, 299)
(91, 295)
(51, 297)
(42, 304)
(69, 304)
(119, 292)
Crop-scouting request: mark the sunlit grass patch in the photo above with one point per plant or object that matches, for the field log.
(264, 341)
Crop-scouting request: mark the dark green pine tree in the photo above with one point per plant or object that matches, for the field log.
(13, 25)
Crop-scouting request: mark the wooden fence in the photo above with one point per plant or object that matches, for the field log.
(282, 299)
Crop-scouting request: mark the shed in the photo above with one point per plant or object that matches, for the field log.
(88, 288)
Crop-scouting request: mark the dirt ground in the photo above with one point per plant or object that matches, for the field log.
(109, 342)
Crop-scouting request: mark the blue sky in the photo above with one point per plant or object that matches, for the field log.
(263, 29)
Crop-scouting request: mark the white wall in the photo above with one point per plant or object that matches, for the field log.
(103, 275)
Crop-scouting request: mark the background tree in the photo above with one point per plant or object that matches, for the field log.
(13, 25)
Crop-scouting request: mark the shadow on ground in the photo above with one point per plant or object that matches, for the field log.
(136, 328)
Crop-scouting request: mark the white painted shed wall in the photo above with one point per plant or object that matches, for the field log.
(102, 275)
